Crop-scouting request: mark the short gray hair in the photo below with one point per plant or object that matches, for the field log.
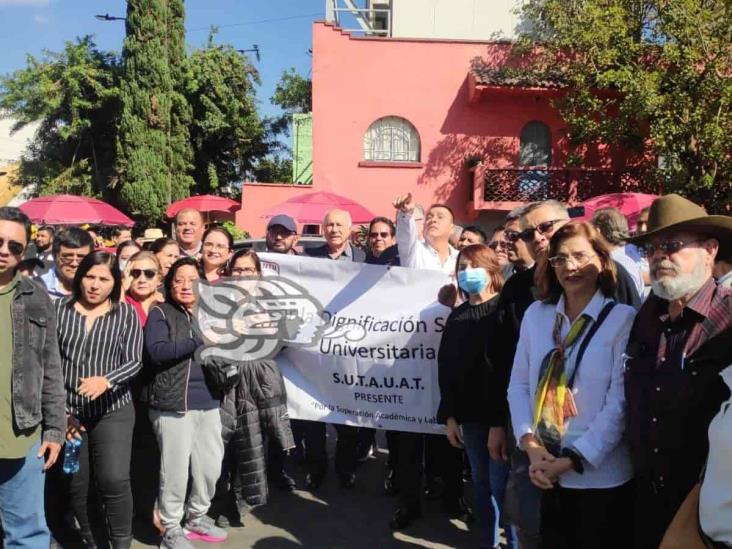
(612, 225)
(560, 209)
(514, 214)
(338, 210)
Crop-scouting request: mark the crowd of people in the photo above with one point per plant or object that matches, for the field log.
(580, 369)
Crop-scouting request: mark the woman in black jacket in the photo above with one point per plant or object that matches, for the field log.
(184, 413)
(255, 413)
(474, 369)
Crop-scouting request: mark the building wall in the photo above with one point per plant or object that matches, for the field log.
(359, 80)
(356, 81)
(454, 19)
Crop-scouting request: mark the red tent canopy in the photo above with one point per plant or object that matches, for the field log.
(630, 204)
(203, 203)
(66, 209)
(312, 207)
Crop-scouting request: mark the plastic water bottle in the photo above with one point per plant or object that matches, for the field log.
(71, 456)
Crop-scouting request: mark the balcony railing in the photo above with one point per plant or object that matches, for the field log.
(569, 185)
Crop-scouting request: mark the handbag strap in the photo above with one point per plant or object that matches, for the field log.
(586, 341)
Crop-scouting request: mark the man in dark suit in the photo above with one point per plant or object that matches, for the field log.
(337, 232)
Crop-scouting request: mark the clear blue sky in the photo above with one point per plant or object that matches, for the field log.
(281, 28)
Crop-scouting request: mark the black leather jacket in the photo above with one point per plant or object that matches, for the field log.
(38, 387)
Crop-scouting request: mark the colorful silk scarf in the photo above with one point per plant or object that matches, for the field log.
(554, 402)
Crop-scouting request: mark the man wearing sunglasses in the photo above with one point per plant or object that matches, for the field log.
(680, 341)
(32, 395)
(518, 252)
(70, 247)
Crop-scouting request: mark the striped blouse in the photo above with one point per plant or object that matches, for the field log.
(112, 349)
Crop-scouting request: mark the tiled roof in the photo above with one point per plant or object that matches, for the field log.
(514, 78)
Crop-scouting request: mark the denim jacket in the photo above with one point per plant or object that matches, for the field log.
(38, 389)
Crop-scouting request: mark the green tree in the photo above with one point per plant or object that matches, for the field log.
(227, 133)
(151, 158)
(293, 94)
(650, 74)
(74, 95)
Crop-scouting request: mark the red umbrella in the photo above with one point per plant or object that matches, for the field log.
(66, 209)
(203, 203)
(630, 204)
(312, 207)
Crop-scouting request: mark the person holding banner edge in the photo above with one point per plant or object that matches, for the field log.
(337, 230)
(474, 367)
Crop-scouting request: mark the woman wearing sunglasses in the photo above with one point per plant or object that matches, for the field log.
(217, 246)
(473, 367)
(100, 340)
(566, 395)
(140, 283)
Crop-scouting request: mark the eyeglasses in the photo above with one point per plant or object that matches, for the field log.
(382, 235)
(579, 259)
(669, 247)
(149, 273)
(498, 244)
(238, 271)
(14, 247)
(70, 258)
(217, 247)
(527, 235)
(512, 236)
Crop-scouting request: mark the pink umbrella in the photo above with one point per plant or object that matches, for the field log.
(66, 209)
(630, 204)
(312, 207)
(203, 203)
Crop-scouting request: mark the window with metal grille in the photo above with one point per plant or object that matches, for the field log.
(536, 145)
(391, 139)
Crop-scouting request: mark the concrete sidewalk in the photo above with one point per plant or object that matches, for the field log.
(336, 518)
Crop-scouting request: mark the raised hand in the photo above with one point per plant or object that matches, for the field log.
(404, 203)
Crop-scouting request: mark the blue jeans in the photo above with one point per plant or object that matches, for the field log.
(21, 502)
(489, 483)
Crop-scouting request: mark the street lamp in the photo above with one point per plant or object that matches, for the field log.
(254, 48)
(107, 17)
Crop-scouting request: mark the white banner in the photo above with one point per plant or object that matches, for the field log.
(376, 362)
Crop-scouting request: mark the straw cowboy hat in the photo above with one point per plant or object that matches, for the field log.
(152, 235)
(673, 213)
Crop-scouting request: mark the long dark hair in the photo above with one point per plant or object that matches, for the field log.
(182, 262)
(98, 257)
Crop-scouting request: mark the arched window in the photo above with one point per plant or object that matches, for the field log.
(536, 150)
(391, 139)
(536, 145)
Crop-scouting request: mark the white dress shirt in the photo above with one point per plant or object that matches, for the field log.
(416, 253)
(597, 431)
(632, 265)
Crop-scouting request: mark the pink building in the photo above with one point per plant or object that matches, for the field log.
(396, 115)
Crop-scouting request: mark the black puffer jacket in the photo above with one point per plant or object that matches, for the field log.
(252, 412)
(169, 357)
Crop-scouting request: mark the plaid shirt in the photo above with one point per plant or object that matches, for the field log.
(705, 315)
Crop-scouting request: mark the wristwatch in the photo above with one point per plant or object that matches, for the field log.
(575, 458)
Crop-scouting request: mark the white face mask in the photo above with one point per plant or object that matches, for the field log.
(122, 265)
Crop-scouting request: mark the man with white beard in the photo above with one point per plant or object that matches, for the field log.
(680, 341)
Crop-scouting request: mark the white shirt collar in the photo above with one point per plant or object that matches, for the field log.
(592, 309)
